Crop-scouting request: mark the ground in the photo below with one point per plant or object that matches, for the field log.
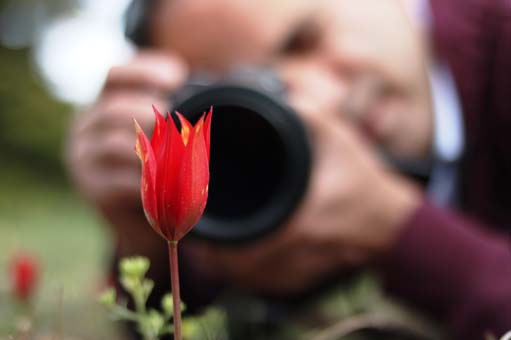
(47, 219)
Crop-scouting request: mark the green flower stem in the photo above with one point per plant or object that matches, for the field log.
(174, 278)
(138, 298)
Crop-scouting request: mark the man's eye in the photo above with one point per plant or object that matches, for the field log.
(303, 40)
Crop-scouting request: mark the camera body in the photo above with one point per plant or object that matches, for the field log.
(260, 153)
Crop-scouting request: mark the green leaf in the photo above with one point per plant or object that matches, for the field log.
(167, 304)
(108, 297)
(147, 287)
(129, 283)
(135, 267)
(156, 321)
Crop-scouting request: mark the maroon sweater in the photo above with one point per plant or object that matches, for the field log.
(458, 264)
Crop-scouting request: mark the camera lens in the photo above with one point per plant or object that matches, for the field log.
(260, 161)
(248, 163)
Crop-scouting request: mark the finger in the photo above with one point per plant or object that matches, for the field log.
(316, 123)
(150, 71)
(117, 110)
(364, 92)
(327, 132)
(122, 107)
(115, 180)
(317, 86)
(114, 150)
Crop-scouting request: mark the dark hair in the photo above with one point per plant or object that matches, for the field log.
(137, 18)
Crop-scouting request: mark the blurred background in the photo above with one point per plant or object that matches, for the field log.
(48, 73)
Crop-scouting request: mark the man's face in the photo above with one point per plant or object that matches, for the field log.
(358, 60)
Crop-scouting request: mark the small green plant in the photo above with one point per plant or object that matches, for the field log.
(151, 324)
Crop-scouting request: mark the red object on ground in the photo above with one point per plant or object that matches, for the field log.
(175, 173)
(24, 276)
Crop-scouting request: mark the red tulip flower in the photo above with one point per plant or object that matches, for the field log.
(174, 185)
(175, 174)
(24, 276)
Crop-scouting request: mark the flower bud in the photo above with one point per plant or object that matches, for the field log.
(134, 267)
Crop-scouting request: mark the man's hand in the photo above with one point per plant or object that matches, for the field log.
(101, 141)
(100, 150)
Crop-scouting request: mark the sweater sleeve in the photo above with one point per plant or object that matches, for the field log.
(449, 265)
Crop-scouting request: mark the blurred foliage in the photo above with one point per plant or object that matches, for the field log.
(32, 124)
(53, 7)
(71, 245)
(38, 212)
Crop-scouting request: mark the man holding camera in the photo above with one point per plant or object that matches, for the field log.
(357, 74)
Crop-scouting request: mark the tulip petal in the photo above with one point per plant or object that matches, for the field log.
(168, 180)
(186, 127)
(148, 180)
(207, 130)
(193, 181)
(158, 133)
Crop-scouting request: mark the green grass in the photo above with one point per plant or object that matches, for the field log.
(46, 219)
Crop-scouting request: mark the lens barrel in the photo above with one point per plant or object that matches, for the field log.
(260, 158)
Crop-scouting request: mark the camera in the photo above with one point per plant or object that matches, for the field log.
(260, 153)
